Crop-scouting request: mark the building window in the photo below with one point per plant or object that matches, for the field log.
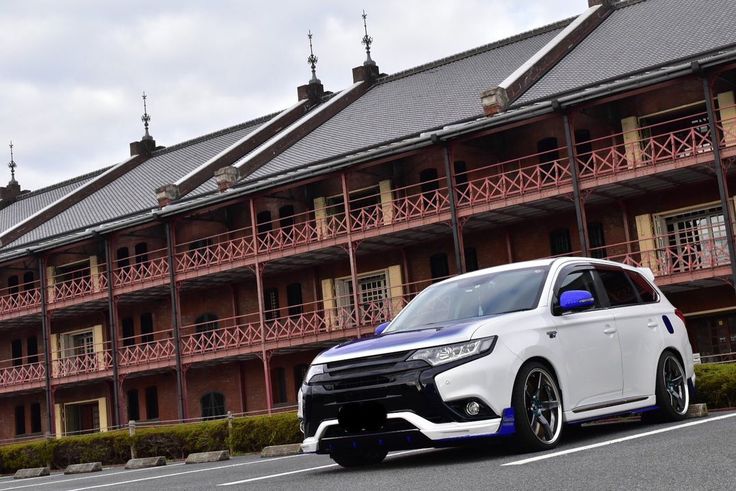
(439, 267)
(36, 417)
(263, 220)
(471, 259)
(583, 145)
(299, 372)
(696, 239)
(286, 217)
(20, 420)
(151, 402)
(147, 328)
(461, 178)
(559, 242)
(78, 344)
(134, 409)
(128, 331)
(213, 405)
(200, 244)
(81, 418)
(16, 350)
(13, 287)
(123, 257)
(372, 295)
(429, 180)
(141, 252)
(271, 303)
(28, 279)
(278, 381)
(32, 349)
(549, 152)
(294, 298)
(597, 240)
(206, 323)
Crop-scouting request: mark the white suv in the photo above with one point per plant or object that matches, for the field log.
(515, 350)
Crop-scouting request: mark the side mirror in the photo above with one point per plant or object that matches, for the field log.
(576, 300)
(381, 328)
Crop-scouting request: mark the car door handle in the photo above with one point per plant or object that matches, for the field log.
(652, 324)
(609, 330)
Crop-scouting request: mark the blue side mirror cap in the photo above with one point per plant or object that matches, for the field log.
(576, 300)
(381, 328)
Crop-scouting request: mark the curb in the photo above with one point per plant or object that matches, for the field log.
(145, 462)
(83, 468)
(31, 472)
(697, 411)
(282, 450)
(202, 457)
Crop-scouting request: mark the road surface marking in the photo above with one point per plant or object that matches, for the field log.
(618, 440)
(173, 474)
(47, 481)
(280, 474)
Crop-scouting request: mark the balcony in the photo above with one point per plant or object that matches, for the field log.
(15, 375)
(79, 364)
(602, 162)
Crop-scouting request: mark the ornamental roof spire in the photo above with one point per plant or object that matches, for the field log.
(367, 41)
(145, 118)
(312, 60)
(12, 165)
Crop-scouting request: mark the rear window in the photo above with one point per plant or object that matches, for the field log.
(646, 291)
(618, 287)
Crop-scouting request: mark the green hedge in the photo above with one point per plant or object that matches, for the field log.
(716, 385)
(249, 434)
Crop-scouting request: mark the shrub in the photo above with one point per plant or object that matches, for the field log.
(23, 455)
(252, 434)
(716, 385)
(178, 441)
(109, 448)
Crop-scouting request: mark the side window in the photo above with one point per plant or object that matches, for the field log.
(646, 292)
(577, 280)
(618, 287)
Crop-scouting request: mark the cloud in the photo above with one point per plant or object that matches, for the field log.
(73, 71)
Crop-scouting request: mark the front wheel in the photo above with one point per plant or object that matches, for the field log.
(359, 458)
(537, 408)
(673, 396)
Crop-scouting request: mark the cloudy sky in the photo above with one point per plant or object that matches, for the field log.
(72, 71)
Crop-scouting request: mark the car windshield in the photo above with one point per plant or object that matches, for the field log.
(476, 296)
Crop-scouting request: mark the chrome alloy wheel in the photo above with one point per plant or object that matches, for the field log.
(543, 408)
(675, 385)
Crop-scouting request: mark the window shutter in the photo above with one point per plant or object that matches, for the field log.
(727, 112)
(328, 302)
(98, 341)
(54, 354)
(387, 204)
(102, 408)
(320, 216)
(647, 245)
(94, 273)
(59, 420)
(632, 141)
(50, 282)
(396, 289)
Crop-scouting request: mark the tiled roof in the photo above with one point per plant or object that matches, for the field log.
(410, 102)
(30, 203)
(135, 191)
(640, 35)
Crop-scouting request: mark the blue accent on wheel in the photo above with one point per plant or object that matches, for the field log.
(668, 324)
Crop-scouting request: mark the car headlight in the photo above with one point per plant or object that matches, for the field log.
(313, 370)
(439, 355)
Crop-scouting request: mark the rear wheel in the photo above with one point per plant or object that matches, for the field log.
(673, 396)
(537, 407)
(359, 458)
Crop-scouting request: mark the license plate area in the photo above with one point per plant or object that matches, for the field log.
(361, 417)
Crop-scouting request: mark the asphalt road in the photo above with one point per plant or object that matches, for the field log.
(696, 454)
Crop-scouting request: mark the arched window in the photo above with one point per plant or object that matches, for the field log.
(213, 405)
(207, 322)
(28, 280)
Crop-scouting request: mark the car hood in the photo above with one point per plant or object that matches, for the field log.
(456, 332)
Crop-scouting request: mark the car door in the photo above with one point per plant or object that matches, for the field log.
(638, 313)
(589, 343)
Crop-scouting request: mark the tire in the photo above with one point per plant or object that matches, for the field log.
(359, 458)
(537, 408)
(673, 394)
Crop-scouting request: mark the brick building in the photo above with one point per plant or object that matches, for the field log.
(201, 278)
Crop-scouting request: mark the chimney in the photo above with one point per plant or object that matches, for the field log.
(494, 100)
(226, 177)
(314, 90)
(166, 194)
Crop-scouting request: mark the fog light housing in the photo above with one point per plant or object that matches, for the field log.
(472, 408)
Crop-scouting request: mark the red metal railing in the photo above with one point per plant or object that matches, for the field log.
(71, 362)
(22, 373)
(143, 269)
(148, 351)
(20, 297)
(78, 283)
